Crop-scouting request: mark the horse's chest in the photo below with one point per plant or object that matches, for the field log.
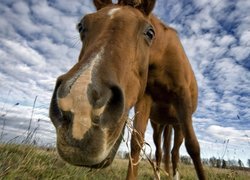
(160, 92)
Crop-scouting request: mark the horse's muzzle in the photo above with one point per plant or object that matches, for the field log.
(107, 105)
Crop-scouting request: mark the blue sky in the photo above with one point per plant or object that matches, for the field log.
(39, 42)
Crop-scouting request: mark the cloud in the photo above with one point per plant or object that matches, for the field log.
(215, 35)
(30, 121)
(231, 133)
(23, 52)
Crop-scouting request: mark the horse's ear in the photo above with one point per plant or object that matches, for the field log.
(101, 3)
(145, 6)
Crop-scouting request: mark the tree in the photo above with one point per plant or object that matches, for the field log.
(224, 164)
(240, 163)
(126, 156)
(212, 161)
(186, 160)
(248, 162)
(218, 163)
(232, 163)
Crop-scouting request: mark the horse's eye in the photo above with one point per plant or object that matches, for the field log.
(150, 33)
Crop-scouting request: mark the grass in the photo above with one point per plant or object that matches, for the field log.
(29, 162)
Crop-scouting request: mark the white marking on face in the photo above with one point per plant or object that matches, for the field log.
(112, 12)
(77, 101)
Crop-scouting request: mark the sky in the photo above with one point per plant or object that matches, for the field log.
(39, 42)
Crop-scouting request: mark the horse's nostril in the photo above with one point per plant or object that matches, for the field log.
(59, 115)
(95, 95)
(98, 97)
(54, 111)
(67, 116)
(114, 108)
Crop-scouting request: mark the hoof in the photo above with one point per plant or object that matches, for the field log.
(176, 176)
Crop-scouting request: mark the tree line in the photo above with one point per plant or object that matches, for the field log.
(212, 161)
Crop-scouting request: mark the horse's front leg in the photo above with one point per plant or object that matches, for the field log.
(184, 110)
(142, 111)
(157, 133)
(178, 139)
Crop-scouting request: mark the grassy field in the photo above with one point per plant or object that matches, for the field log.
(28, 162)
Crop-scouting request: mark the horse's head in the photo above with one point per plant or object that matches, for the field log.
(91, 101)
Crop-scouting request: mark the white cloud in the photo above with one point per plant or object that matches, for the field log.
(225, 40)
(245, 38)
(203, 120)
(240, 52)
(45, 13)
(21, 8)
(224, 133)
(22, 52)
(207, 3)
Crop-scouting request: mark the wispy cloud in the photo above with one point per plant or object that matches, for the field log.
(38, 42)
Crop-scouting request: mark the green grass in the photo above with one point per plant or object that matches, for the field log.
(28, 162)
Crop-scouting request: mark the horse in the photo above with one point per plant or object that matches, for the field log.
(90, 103)
(170, 97)
(165, 131)
(117, 70)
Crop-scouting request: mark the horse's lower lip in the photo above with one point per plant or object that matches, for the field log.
(105, 163)
(109, 159)
(74, 151)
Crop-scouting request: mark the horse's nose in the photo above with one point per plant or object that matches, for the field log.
(98, 96)
(58, 114)
(107, 103)
(80, 101)
(54, 112)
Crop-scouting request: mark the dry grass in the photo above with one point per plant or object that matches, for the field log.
(28, 162)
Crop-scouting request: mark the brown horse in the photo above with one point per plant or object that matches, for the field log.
(124, 50)
(166, 131)
(170, 97)
(91, 101)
